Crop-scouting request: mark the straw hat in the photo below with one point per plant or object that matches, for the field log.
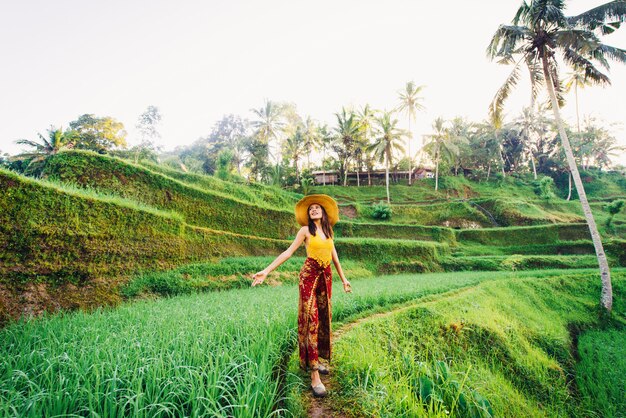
(325, 201)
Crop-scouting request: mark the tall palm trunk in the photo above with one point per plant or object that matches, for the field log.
(409, 148)
(323, 169)
(569, 177)
(606, 297)
(569, 193)
(437, 170)
(500, 154)
(387, 177)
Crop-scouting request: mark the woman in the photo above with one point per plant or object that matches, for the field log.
(317, 214)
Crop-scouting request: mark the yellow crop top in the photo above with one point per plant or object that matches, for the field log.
(321, 250)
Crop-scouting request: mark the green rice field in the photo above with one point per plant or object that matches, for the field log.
(207, 354)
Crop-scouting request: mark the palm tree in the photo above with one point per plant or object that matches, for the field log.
(388, 140)
(495, 123)
(410, 104)
(269, 122)
(311, 138)
(347, 130)
(294, 147)
(326, 139)
(539, 30)
(442, 146)
(366, 118)
(56, 141)
(527, 124)
(576, 79)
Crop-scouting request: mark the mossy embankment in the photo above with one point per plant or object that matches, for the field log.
(256, 193)
(461, 203)
(501, 348)
(199, 206)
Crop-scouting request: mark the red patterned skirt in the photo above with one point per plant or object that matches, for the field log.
(314, 314)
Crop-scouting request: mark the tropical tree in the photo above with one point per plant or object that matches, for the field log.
(485, 146)
(367, 118)
(347, 131)
(495, 124)
(147, 124)
(99, 134)
(600, 144)
(294, 147)
(388, 140)
(56, 140)
(527, 125)
(326, 141)
(539, 30)
(460, 131)
(410, 104)
(231, 132)
(577, 80)
(310, 138)
(268, 124)
(442, 146)
(258, 161)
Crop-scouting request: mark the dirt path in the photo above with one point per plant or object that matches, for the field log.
(324, 407)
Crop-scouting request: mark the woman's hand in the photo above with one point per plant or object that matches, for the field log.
(257, 278)
(346, 286)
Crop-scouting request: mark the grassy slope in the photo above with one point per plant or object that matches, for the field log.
(256, 193)
(511, 202)
(200, 206)
(506, 341)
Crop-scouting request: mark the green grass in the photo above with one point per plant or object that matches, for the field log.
(206, 354)
(228, 273)
(215, 209)
(256, 193)
(601, 372)
(503, 345)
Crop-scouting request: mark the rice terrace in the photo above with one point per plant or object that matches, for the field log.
(381, 259)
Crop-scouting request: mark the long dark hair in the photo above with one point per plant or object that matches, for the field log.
(326, 228)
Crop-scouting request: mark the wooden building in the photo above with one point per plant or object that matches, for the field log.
(377, 177)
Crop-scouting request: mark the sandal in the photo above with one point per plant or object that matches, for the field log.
(319, 391)
(322, 369)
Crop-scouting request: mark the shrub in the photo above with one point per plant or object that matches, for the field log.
(307, 185)
(544, 188)
(613, 208)
(381, 210)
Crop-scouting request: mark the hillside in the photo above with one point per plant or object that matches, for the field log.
(96, 222)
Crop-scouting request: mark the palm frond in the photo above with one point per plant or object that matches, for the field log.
(553, 72)
(505, 40)
(522, 14)
(611, 52)
(497, 104)
(536, 76)
(29, 143)
(553, 13)
(591, 73)
(604, 18)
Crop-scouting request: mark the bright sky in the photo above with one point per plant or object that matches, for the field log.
(198, 60)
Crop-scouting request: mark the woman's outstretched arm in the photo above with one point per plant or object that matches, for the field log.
(258, 278)
(346, 283)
